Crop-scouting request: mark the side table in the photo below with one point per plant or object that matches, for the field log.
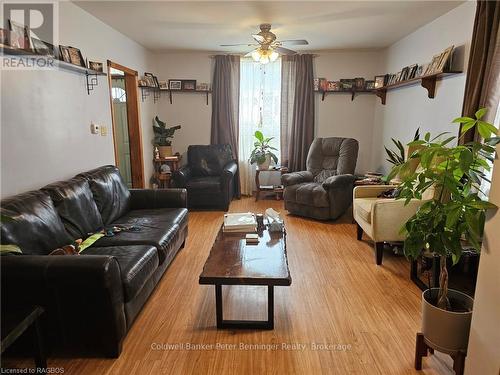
(423, 347)
(164, 178)
(15, 324)
(278, 190)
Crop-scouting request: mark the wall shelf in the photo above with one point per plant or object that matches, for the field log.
(91, 75)
(428, 82)
(145, 91)
(353, 93)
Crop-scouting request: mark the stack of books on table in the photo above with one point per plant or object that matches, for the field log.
(245, 222)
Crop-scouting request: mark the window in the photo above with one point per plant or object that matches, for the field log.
(260, 105)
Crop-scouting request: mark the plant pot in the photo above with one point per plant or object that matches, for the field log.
(265, 165)
(446, 331)
(165, 151)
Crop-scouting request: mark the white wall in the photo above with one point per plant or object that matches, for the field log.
(408, 108)
(337, 115)
(46, 115)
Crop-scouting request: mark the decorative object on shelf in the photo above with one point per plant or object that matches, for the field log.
(43, 48)
(347, 84)
(189, 84)
(163, 85)
(202, 87)
(420, 70)
(369, 85)
(379, 81)
(19, 36)
(156, 153)
(432, 67)
(445, 61)
(163, 136)
(76, 57)
(333, 86)
(316, 84)
(151, 79)
(142, 83)
(96, 66)
(268, 48)
(4, 37)
(175, 84)
(359, 83)
(323, 84)
(455, 214)
(262, 154)
(412, 71)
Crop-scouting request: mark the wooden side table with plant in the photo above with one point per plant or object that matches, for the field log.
(163, 155)
(439, 227)
(163, 136)
(262, 155)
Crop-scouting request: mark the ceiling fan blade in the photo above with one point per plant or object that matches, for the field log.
(295, 42)
(258, 38)
(236, 45)
(285, 51)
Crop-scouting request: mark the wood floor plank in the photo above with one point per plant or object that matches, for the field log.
(338, 297)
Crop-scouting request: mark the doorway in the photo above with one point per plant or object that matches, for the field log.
(127, 138)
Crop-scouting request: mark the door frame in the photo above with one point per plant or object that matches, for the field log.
(134, 124)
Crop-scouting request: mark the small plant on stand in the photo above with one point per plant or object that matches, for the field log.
(163, 137)
(262, 153)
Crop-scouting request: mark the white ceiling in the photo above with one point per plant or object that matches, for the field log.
(189, 25)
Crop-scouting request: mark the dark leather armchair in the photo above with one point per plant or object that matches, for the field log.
(209, 176)
(324, 191)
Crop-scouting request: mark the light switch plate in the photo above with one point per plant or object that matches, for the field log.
(104, 130)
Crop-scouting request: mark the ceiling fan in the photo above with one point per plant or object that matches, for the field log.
(268, 48)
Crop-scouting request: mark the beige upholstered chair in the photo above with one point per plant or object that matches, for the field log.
(382, 218)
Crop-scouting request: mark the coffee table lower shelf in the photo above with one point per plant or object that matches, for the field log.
(244, 324)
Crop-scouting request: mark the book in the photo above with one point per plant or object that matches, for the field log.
(252, 238)
(240, 222)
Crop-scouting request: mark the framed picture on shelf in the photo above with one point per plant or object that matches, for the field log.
(347, 84)
(359, 83)
(334, 86)
(431, 69)
(4, 37)
(202, 87)
(189, 84)
(150, 79)
(175, 84)
(316, 84)
(44, 48)
(18, 36)
(142, 83)
(97, 66)
(412, 71)
(380, 81)
(420, 70)
(65, 56)
(163, 85)
(369, 85)
(398, 77)
(75, 56)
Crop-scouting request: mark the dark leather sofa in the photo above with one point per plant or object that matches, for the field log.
(91, 299)
(209, 176)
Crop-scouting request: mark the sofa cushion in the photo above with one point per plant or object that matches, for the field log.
(208, 160)
(157, 227)
(308, 193)
(363, 208)
(110, 192)
(209, 184)
(137, 265)
(36, 227)
(75, 205)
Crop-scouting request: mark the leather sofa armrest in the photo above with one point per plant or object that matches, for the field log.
(229, 170)
(339, 181)
(72, 289)
(295, 178)
(158, 198)
(371, 191)
(181, 176)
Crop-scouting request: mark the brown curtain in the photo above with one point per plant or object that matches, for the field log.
(483, 68)
(297, 110)
(225, 105)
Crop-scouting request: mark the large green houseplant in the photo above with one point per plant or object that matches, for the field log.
(163, 137)
(457, 211)
(262, 154)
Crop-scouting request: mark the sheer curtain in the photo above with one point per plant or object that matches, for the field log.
(260, 103)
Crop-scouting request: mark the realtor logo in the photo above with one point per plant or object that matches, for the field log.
(28, 35)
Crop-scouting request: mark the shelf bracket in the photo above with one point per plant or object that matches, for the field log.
(207, 96)
(144, 93)
(323, 93)
(381, 94)
(353, 94)
(170, 96)
(429, 83)
(92, 81)
(156, 95)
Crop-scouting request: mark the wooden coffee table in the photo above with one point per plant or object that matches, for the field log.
(234, 262)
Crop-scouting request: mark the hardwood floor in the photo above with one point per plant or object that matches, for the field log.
(368, 315)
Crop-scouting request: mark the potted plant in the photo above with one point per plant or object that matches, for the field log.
(262, 152)
(400, 156)
(441, 225)
(163, 136)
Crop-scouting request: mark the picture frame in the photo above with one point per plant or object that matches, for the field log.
(380, 81)
(4, 37)
(431, 69)
(96, 66)
(412, 71)
(359, 83)
(72, 55)
(398, 77)
(189, 84)
(175, 84)
(44, 48)
(202, 87)
(18, 36)
(64, 54)
(151, 79)
(316, 84)
(334, 86)
(420, 70)
(369, 85)
(142, 83)
(163, 85)
(323, 84)
(347, 84)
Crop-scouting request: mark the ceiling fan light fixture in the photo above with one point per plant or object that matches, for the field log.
(274, 56)
(264, 59)
(256, 55)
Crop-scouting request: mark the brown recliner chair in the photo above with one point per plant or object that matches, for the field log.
(324, 190)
